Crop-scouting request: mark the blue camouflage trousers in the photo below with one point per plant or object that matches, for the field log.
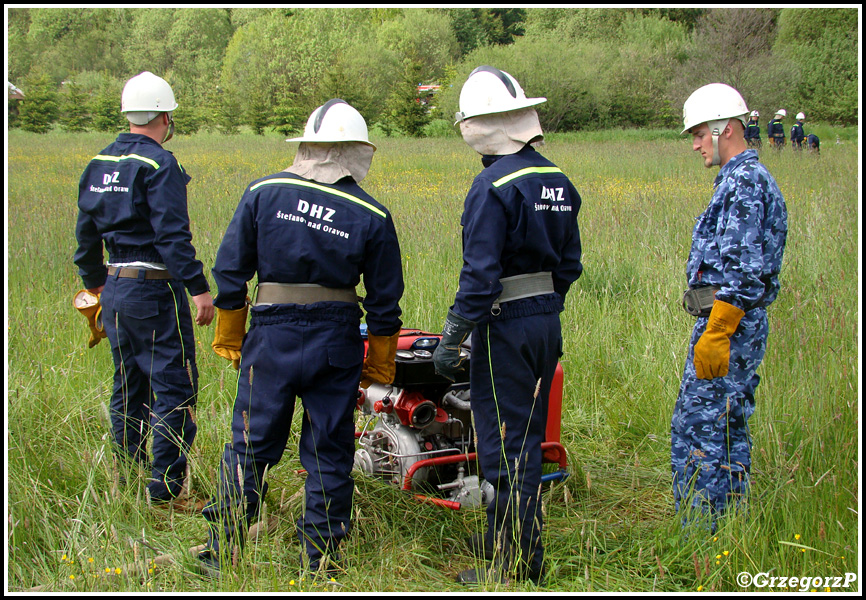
(710, 443)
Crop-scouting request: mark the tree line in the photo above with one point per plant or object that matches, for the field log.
(268, 68)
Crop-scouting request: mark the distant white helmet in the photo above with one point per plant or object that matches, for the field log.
(711, 103)
(489, 90)
(756, 113)
(335, 121)
(800, 116)
(145, 96)
(782, 112)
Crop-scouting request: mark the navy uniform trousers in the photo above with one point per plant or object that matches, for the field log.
(711, 446)
(509, 355)
(149, 328)
(314, 352)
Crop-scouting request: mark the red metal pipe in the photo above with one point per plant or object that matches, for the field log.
(438, 501)
(458, 458)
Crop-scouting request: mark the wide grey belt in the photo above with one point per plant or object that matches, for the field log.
(132, 273)
(301, 293)
(698, 302)
(523, 286)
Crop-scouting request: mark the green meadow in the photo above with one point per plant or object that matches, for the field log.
(609, 527)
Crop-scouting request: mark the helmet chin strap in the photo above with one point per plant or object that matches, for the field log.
(170, 133)
(716, 130)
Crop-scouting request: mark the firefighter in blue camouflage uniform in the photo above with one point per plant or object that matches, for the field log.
(798, 136)
(310, 233)
(521, 253)
(753, 131)
(132, 197)
(776, 130)
(733, 276)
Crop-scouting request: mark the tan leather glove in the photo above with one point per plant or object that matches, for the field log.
(713, 350)
(231, 325)
(88, 305)
(379, 365)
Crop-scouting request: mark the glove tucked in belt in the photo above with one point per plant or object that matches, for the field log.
(89, 306)
(231, 326)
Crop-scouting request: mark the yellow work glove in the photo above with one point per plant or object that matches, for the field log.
(89, 306)
(713, 350)
(231, 325)
(379, 365)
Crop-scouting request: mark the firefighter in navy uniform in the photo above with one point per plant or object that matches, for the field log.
(798, 136)
(753, 131)
(776, 130)
(521, 253)
(310, 233)
(132, 198)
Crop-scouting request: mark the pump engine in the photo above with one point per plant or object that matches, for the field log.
(419, 432)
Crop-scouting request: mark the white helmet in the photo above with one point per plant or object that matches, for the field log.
(713, 102)
(800, 116)
(782, 112)
(335, 121)
(144, 96)
(489, 90)
(756, 113)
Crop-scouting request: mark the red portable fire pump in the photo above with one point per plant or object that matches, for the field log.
(422, 437)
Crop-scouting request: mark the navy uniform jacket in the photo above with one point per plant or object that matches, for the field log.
(293, 230)
(753, 131)
(739, 240)
(775, 129)
(797, 134)
(520, 216)
(132, 196)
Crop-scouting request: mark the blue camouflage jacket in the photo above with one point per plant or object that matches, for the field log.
(520, 216)
(132, 197)
(739, 240)
(293, 230)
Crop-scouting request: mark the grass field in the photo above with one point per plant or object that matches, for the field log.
(609, 527)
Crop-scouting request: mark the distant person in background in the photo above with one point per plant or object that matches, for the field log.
(733, 276)
(813, 143)
(798, 136)
(132, 198)
(776, 130)
(753, 130)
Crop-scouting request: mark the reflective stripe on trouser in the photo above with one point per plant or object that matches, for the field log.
(522, 350)
(287, 354)
(710, 443)
(149, 328)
